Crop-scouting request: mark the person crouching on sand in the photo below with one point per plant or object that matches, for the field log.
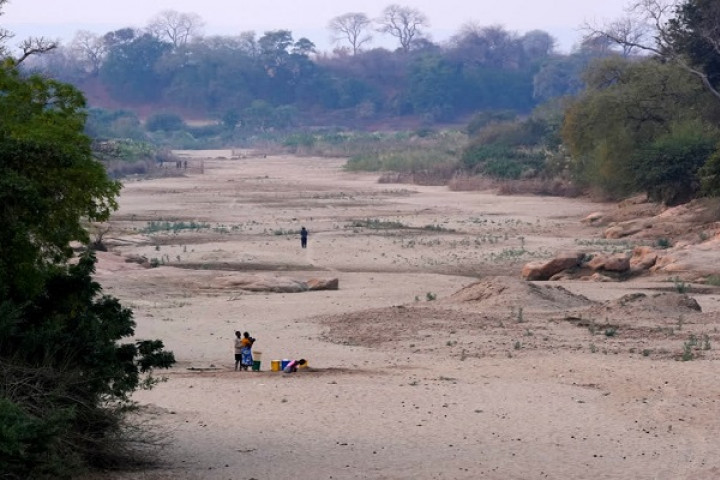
(293, 366)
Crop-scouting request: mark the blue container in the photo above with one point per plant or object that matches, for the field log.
(284, 363)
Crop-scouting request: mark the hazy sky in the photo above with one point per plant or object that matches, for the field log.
(306, 18)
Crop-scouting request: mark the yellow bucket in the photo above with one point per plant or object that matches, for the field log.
(274, 365)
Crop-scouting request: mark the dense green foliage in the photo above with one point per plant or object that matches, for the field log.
(65, 379)
(640, 125)
(225, 77)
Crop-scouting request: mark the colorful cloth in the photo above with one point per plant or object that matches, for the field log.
(246, 356)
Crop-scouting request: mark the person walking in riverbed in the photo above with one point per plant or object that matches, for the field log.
(303, 237)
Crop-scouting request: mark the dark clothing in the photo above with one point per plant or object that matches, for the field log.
(303, 237)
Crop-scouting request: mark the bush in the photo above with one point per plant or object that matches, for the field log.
(667, 169)
(168, 122)
(709, 175)
(65, 380)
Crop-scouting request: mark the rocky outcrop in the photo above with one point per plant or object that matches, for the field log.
(618, 263)
(643, 258)
(256, 283)
(545, 270)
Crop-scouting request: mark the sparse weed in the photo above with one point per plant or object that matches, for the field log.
(377, 224)
(429, 296)
(160, 226)
(687, 354)
(681, 286)
(663, 242)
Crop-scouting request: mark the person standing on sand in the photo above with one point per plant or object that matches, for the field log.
(238, 350)
(303, 237)
(246, 358)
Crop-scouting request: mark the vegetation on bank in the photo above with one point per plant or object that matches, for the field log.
(68, 359)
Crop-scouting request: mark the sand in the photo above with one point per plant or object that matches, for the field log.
(432, 360)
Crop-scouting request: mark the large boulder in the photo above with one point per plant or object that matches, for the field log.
(545, 270)
(609, 263)
(643, 258)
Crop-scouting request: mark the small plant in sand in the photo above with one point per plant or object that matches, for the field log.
(706, 342)
(593, 348)
(377, 224)
(713, 280)
(681, 286)
(520, 318)
(610, 332)
(429, 296)
(437, 228)
(663, 242)
(680, 322)
(687, 354)
(517, 345)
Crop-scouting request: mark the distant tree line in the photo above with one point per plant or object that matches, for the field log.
(170, 64)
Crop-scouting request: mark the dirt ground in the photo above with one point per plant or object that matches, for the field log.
(432, 360)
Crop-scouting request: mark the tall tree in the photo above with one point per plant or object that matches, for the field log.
(629, 111)
(90, 51)
(29, 46)
(694, 32)
(403, 23)
(685, 33)
(176, 27)
(65, 376)
(131, 72)
(352, 28)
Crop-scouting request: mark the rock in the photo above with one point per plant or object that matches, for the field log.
(545, 270)
(624, 229)
(610, 263)
(617, 263)
(598, 277)
(257, 283)
(323, 284)
(594, 218)
(643, 258)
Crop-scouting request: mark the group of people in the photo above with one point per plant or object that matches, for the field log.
(243, 351)
(244, 358)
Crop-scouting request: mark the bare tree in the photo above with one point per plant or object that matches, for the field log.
(648, 28)
(352, 28)
(90, 49)
(29, 46)
(176, 27)
(403, 23)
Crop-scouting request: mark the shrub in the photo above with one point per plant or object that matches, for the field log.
(168, 122)
(667, 169)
